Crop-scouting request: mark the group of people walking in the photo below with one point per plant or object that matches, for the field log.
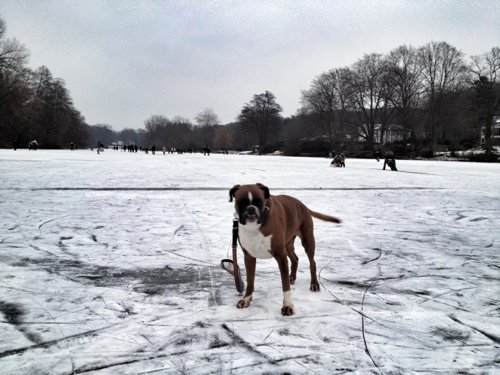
(153, 149)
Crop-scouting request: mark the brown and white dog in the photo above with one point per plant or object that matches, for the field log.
(268, 226)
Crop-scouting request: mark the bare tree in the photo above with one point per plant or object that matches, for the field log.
(15, 93)
(207, 118)
(130, 136)
(485, 69)
(372, 90)
(444, 72)
(261, 114)
(345, 99)
(322, 100)
(330, 98)
(13, 55)
(406, 73)
(156, 130)
(486, 65)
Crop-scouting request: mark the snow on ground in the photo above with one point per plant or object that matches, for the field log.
(110, 264)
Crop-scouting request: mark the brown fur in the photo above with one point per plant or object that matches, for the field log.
(285, 219)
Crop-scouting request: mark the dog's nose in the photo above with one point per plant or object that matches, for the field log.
(252, 214)
(252, 210)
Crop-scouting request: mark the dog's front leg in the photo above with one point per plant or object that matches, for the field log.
(250, 263)
(287, 308)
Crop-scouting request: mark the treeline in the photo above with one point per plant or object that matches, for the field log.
(426, 98)
(423, 100)
(34, 105)
(434, 95)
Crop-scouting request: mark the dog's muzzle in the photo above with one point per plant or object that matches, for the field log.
(251, 215)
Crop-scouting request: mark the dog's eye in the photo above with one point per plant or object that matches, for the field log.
(257, 202)
(243, 203)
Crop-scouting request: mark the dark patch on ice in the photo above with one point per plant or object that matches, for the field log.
(415, 292)
(143, 280)
(492, 336)
(142, 358)
(460, 216)
(412, 172)
(479, 219)
(216, 342)
(450, 334)
(351, 283)
(14, 313)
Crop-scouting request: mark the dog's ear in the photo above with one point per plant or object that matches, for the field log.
(232, 191)
(265, 189)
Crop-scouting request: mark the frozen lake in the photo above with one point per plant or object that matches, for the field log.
(110, 264)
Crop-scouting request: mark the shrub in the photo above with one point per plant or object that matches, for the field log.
(483, 158)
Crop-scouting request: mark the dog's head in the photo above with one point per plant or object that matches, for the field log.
(250, 202)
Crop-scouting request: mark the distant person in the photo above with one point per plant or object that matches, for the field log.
(338, 161)
(33, 145)
(342, 159)
(390, 161)
(72, 146)
(377, 155)
(153, 149)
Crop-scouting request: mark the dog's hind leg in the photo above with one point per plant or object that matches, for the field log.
(309, 245)
(294, 260)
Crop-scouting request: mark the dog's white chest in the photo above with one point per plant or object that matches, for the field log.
(254, 242)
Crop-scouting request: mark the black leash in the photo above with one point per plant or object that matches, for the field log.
(231, 266)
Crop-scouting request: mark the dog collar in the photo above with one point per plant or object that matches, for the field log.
(264, 214)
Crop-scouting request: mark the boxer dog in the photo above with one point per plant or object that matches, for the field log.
(268, 226)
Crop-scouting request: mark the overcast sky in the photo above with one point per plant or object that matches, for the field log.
(124, 61)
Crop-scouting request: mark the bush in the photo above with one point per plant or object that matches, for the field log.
(426, 153)
(483, 158)
(399, 149)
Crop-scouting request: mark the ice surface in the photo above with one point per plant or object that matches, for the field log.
(110, 264)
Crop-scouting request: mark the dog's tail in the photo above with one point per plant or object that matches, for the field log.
(324, 217)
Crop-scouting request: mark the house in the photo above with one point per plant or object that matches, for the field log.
(392, 133)
(495, 132)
